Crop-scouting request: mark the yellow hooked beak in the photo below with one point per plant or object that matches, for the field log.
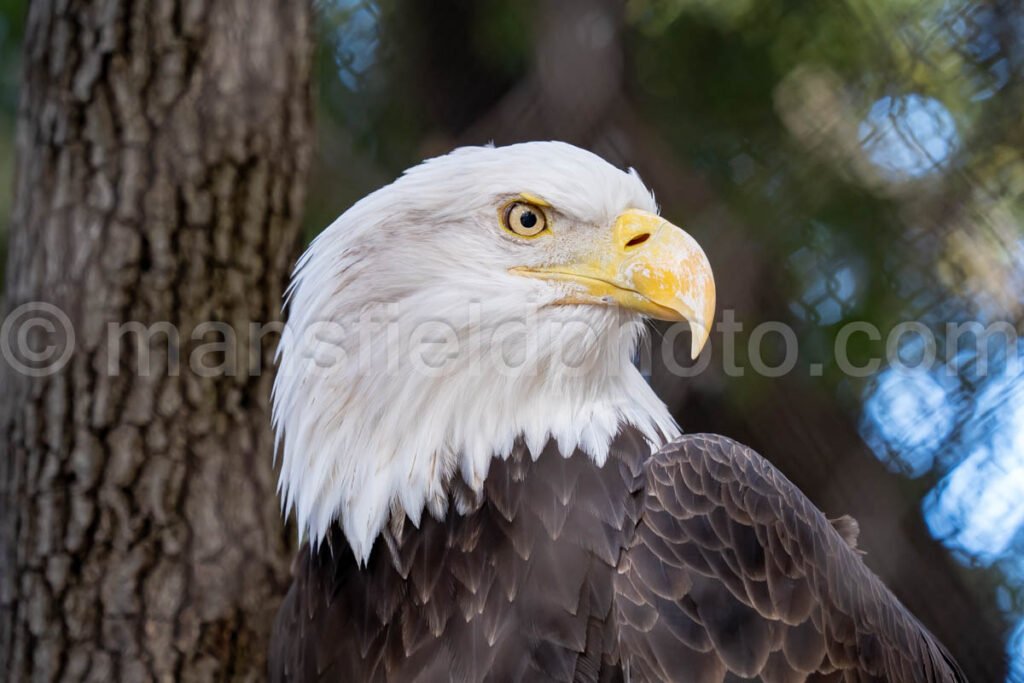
(650, 266)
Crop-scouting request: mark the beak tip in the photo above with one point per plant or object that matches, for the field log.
(699, 335)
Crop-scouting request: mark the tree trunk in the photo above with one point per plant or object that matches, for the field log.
(162, 148)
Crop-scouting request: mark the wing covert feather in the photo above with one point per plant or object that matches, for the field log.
(729, 554)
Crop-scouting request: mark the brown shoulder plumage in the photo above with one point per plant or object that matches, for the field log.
(734, 573)
(699, 564)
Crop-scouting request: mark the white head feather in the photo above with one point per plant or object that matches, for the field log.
(412, 355)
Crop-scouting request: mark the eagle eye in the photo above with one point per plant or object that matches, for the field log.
(524, 219)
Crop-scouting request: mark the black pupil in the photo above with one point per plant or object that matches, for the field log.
(527, 219)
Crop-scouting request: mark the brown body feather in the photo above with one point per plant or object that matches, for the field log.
(701, 563)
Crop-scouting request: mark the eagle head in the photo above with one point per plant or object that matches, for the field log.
(490, 296)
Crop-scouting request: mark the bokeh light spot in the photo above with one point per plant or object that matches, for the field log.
(908, 137)
(907, 416)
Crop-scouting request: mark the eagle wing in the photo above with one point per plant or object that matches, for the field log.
(733, 572)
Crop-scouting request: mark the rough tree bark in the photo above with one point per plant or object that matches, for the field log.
(162, 150)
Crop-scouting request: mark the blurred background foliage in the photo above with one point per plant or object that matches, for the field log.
(870, 151)
(842, 161)
(12, 22)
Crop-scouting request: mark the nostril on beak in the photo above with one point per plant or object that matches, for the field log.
(638, 240)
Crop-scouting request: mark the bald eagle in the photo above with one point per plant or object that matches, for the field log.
(490, 490)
